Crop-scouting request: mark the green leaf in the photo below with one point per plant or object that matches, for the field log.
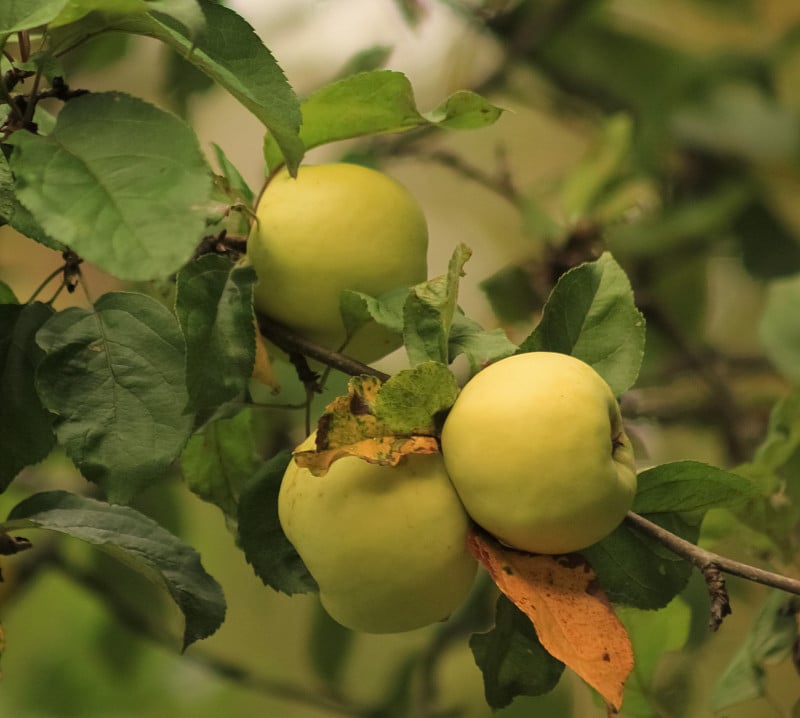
(358, 308)
(652, 633)
(230, 52)
(738, 120)
(114, 377)
(480, 346)
(187, 12)
(234, 182)
(770, 641)
(26, 432)
(8, 198)
(214, 306)
(512, 660)
(15, 215)
(377, 102)
(261, 537)
(7, 295)
(137, 541)
(121, 182)
(770, 248)
(586, 182)
(330, 646)
(591, 315)
(76, 10)
(783, 435)
(366, 60)
(635, 570)
(690, 486)
(16, 15)
(464, 110)
(511, 295)
(429, 311)
(368, 103)
(218, 462)
(779, 329)
(684, 225)
(411, 401)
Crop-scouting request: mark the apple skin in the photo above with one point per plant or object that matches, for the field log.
(335, 227)
(387, 545)
(535, 447)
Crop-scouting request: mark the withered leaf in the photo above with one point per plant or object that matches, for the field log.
(572, 616)
(386, 451)
(263, 371)
(350, 427)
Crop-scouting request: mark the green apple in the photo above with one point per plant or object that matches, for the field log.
(387, 545)
(335, 227)
(535, 447)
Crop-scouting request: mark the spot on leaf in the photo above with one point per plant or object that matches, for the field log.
(573, 619)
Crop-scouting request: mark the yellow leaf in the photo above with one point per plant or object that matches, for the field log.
(572, 616)
(386, 451)
(262, 368)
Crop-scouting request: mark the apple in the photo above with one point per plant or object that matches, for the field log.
(335, 227)
(535, 447)
(387, 545)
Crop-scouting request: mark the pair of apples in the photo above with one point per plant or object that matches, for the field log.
(533, 450)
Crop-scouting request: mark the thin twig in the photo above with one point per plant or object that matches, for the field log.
(499, 184)
(294, 344)
(711, 564)
(49, 278)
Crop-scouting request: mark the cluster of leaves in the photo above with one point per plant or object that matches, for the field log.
(130, 385)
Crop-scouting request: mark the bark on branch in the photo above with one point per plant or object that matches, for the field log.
(712, 566)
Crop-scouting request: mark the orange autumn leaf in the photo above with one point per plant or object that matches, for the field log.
(262, 366)
(572, 616)
(386, 451)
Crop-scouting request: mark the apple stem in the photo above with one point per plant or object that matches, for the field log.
(712, 566)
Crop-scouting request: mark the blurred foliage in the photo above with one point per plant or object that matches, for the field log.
(688, 113)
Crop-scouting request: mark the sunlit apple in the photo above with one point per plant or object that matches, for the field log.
(535, 447)
(335, 227)
(387, 545)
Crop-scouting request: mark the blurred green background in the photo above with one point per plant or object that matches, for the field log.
(667, 132)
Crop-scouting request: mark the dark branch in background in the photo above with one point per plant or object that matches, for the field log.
(712, 565)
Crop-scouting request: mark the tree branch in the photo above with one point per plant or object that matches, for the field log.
(712, 565)
(292, 343)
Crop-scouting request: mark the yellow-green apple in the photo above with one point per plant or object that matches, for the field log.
(536, 449)
(335, 227)
(387, 545)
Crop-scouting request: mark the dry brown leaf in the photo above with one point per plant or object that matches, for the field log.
(572, 616)
(349, 427)
(386, 451)
(262, 367)
(349, 419)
